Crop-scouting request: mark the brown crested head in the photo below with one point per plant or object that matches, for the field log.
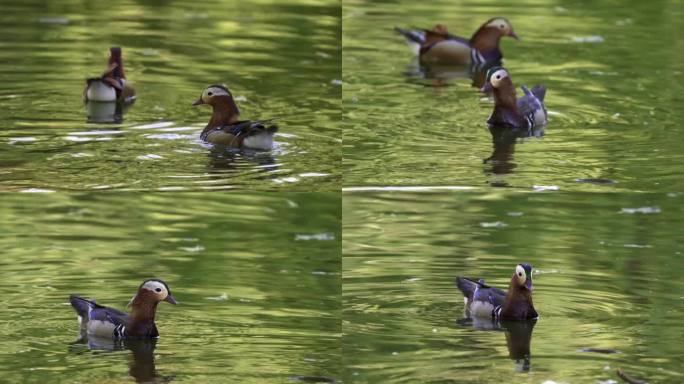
(218, 95)
(152, 291)
(116, 62)
(487, 37)
(522, 277)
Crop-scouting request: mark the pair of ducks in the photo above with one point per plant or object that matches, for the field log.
(482, 52)
(224, 127)
(480, 299)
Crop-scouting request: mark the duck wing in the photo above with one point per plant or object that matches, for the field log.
(531, 106)
(90, 310)
(412, 36)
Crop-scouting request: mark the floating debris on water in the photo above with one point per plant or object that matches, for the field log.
(315, 236)
(588, 39)
(222, 297)
(596, 181)
(599, 350)
(495, 224)
(514, 214)
(541, 188)
(641, 210)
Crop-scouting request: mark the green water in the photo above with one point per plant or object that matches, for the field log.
(281, 59)
(615, 106)
(606, 280)
(257, 278)
(283, 278)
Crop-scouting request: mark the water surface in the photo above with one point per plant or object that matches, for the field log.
(280, 59)
(615, 83)
(257, 278)
(606, 275)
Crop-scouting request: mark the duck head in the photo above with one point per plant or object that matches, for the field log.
(151, 292)
(523, 277)
(498, 82)
(221, 100)
(116, 63)
(487, 37)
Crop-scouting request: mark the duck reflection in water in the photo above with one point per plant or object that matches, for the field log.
(518, 337)
(142, 367)
(504, 140)
(222, 158)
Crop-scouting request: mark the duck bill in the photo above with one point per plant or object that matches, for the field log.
(487, 88)
(513, 35)
(528, 285)
(198, 102)
(170, 299)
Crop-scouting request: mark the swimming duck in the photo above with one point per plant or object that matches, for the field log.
(106, 322)
(437, 45)
(111, 85)
(527, 112)
(224, 128)
(482, 300)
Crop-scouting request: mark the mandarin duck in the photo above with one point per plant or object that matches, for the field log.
(111, 86)
(527, 112)
(100, 321)
(438, 46)
(225, 128)
(484, 301)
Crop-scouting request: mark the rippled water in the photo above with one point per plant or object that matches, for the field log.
(614, 79)
(607, 280)
(281, 60)
(257, 278)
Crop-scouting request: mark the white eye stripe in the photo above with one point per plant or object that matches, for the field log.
(215, 91)
(520, 274)
(499, 23)
(497, 77)
(154, 286)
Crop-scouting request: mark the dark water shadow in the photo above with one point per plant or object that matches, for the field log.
(443, 74)
(504, 140)
(141, 366)
(225, 159)
(518, 337)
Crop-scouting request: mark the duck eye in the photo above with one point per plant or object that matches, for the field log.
(502, 26)
(158, 289)
(498, 77)
(209, 94)
(520, 274)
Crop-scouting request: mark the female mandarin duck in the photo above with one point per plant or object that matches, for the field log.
(439, 46)
(112, 85)
(482, 300)
(527, 112)
(100, 321)
(224, 128)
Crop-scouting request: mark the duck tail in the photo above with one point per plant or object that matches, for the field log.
(417, 37)
(273, 128)
(466, 286)
(539, 91)
(81, 305)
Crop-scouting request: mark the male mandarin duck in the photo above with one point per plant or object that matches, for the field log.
(527, 112)
(224, 128)
(112, 85)
(105, 322)
(437, 45)
(482, 300)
